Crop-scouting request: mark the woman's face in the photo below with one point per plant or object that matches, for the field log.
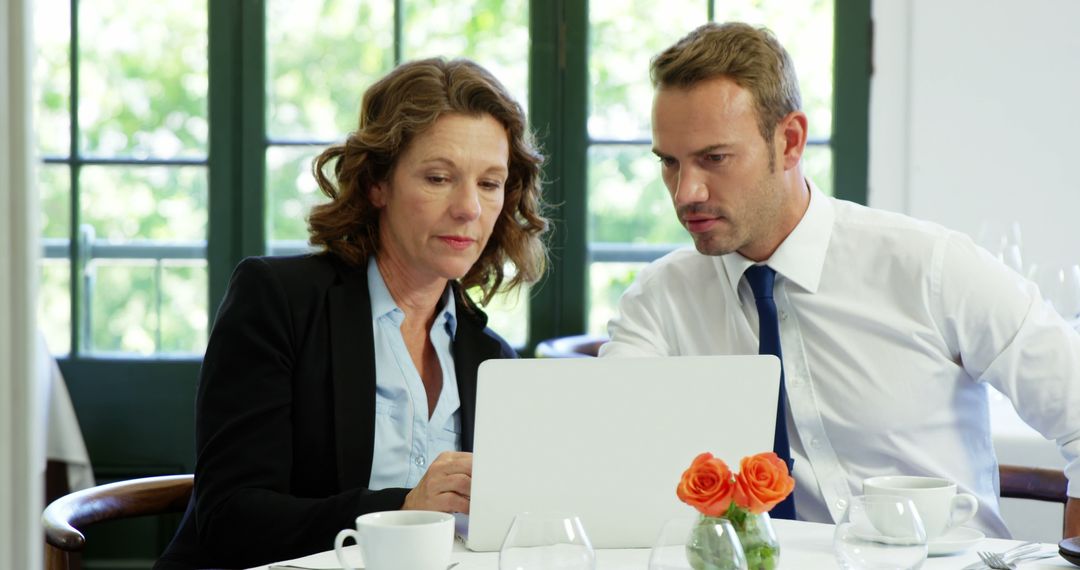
(443, 197)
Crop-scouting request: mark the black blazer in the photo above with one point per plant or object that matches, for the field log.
(285, 413)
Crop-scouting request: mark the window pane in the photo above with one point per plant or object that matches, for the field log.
(52, 74)
(623, 36)
(143, 78)
(125, 204)
(805, 29)
(627, 200)
(183, 306)
(54, 304)
(123, 306)
(607, 282)
(508, 315)
(495, 33)
(321, 56)
(817, 166)
(54, 187)
(291, 192)
(144, 306)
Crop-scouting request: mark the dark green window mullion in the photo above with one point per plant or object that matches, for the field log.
(399, 31)
(558, 105)
(851, 99)
(77, 263)
(238, 142)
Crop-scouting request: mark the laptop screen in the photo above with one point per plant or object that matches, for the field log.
(607, 439)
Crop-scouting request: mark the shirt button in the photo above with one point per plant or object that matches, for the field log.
(783, 315)
(841, 504)
(815, 443)
(420, 461)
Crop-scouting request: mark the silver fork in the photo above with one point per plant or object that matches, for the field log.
(1009, 555)
(1003, 561)
(995, 561)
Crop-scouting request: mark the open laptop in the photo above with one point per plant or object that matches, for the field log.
(608, 439)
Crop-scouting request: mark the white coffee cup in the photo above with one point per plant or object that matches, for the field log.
(392, 540)
(936, 500)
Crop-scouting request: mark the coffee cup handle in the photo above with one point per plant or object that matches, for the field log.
(962, 508)
(339, 543)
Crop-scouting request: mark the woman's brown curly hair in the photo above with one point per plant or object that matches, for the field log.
(395, 110)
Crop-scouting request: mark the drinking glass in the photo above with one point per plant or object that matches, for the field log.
(1060, 287)
(1068, 301)
(1004, 241)
(539, 541)
(880, 532)
(670, 552)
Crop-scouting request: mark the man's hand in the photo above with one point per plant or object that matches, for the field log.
(1072, 518)
(446, 485)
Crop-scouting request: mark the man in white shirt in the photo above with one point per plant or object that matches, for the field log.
(890, 327)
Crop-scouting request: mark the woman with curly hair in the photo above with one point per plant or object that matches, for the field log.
(344, 381)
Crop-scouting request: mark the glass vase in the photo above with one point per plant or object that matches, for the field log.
(713, 544)
(757, 537)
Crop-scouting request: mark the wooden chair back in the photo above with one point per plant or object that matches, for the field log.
(65, 518)
(1019, 482)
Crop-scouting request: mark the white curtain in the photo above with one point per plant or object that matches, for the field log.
(22, 439)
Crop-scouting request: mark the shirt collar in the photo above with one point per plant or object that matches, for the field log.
(383, 305)
(801, 256)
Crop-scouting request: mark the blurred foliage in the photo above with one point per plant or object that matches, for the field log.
(123, 303)
(494, 33)
(125, 204)
(54, 185)
(628, 202)
(143, 78)
(623, 36)
(609, 281)
(291, 191)
(321, 56)
(52, 72)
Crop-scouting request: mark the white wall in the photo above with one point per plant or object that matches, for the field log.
(22, 458)
(975, 117)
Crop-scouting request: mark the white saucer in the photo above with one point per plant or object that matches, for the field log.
(955, 541)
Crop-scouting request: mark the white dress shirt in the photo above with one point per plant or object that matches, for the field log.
(890, 328)
(406, 441)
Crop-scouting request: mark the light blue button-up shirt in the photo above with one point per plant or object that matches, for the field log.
(406, 441)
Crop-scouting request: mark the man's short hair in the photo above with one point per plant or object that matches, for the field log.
(751, 57)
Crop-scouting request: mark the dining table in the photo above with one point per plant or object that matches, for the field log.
(803, 546)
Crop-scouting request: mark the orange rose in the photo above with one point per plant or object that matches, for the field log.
(762, 482)
(707, 486)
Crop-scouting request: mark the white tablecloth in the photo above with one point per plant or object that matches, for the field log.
(64, 439)
(803, 546)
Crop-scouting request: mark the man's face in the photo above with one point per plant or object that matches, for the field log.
(725, 180)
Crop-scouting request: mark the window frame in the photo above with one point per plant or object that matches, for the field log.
(558, 112)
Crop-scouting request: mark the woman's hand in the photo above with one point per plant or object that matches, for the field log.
(446, 485)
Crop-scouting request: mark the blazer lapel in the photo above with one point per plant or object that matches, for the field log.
(471, 347)
(352, 354)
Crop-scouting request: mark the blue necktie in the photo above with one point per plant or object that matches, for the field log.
(761, 278)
